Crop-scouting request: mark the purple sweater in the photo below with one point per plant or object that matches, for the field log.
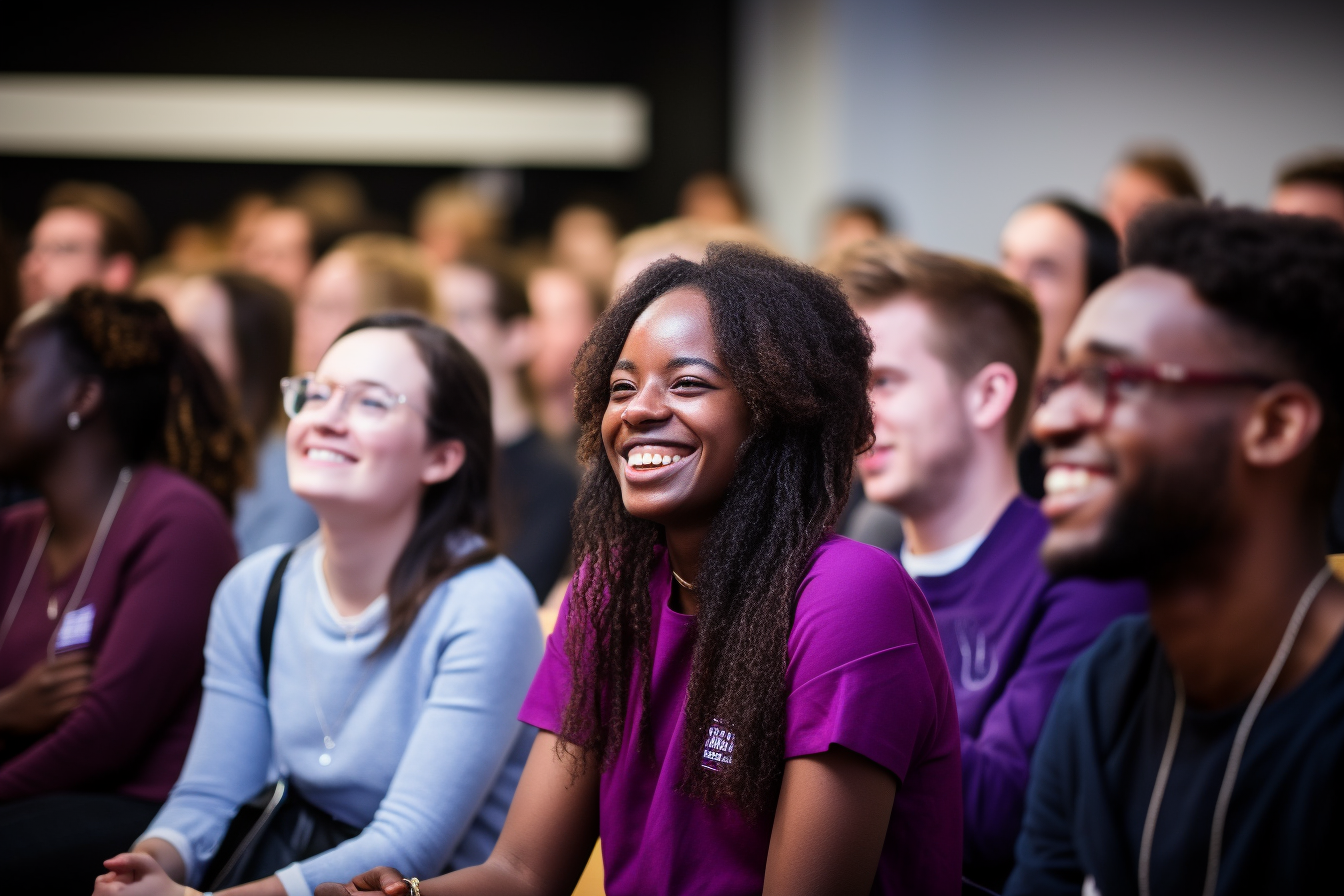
(1010, 631)
(148, 603)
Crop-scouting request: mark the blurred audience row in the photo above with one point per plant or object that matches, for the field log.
(169, 439)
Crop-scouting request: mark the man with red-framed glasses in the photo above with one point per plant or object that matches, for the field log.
(1192, 440)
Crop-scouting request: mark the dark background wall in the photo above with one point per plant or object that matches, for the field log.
(679, 60)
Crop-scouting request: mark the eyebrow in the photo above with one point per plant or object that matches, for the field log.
(679, 361)
(1108, 349)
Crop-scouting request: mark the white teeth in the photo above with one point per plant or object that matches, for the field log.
(1061, 480)
(643, 459)
(324, 454)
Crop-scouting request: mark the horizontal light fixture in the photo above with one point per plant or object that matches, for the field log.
(323, 121)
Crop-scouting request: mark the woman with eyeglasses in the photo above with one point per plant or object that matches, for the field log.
(384, 688)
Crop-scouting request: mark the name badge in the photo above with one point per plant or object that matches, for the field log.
(76, 629)
(718, 753)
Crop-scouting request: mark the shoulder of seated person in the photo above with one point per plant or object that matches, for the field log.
(165, 493)
(485, 588)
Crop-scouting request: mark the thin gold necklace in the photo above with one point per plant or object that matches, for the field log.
(682, 582)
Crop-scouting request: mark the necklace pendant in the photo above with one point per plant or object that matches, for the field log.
(324, 759)
(52, 609)
(328, 742)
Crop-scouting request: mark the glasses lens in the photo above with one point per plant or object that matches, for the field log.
(370, 402)
(291, 393)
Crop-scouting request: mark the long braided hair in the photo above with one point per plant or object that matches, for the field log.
(162, 399)
(799, 357)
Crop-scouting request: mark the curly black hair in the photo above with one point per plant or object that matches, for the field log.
(800, 359)
(1279, 279)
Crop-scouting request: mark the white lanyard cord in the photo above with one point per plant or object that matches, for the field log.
(1233, 760)
(85, 574)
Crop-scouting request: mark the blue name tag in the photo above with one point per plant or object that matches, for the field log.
(76, 628)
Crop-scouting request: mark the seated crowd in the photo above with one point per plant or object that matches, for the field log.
(897, 574)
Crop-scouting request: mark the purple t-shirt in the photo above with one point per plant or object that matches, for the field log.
(1010, 631)
(865, 671)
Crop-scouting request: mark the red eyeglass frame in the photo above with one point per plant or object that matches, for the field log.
(1167, 372)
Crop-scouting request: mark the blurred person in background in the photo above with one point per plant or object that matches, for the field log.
(106, 581)
(1199, 748)
(240, 221)
(1312, 186)
(378, 666)
(488, 311)
(361, 275)
(244, 326)
(279, 247)
(335, 205)
(583, 239)
(954, 357)
(1061, 252)
(452, 219)
(88, 235)
(684, 237)
(1143, 176)
(564, 309)
(851, 222)
(713, 198)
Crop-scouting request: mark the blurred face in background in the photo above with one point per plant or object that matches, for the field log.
(922, 432)
(66, 252)
(279, 248)
(466, 298)
(1046, 251)
(584, 240)
(562, 314)
(331, 302)
(1126, 193)
(1315, 200)
(201, 311)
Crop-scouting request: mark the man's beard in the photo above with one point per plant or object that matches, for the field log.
(1177, 507)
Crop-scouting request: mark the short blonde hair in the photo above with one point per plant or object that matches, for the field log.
(392, 273)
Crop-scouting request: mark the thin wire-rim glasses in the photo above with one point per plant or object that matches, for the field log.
(363, 400)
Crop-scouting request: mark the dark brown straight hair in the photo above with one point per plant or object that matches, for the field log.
(459, 408)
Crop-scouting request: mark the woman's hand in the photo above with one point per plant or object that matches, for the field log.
(135, 874)
(388, 881)
(46, 694)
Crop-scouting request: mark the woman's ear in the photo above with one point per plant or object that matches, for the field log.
(442, 461)
(88, 397)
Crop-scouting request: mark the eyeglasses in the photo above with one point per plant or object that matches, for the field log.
(365, 402)
(1101, 385)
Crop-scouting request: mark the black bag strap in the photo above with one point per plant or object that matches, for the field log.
(269, 611)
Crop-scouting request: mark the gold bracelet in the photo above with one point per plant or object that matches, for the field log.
(414, 884)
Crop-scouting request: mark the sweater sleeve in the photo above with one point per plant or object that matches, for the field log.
(230, 750)
(461, 741)
(996, 763)
(149, 664)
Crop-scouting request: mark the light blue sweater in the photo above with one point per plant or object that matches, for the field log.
(427, 755)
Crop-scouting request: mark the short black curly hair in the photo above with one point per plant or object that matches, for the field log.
(1279, 279)
(800, 358)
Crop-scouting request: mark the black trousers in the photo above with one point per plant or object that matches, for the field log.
(61, 839)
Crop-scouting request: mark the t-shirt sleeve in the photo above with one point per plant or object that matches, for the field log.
(859, 662)
(544, 706)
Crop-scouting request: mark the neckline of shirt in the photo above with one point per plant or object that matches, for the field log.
(351, 626)
(944, 561)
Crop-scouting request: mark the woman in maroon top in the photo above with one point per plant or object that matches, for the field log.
(106, 582)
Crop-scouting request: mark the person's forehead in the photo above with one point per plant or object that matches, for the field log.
(899, 323)
(1042, 229)
(677, 322)
(465, 288)
(1152, 315)
(376, 355)
(68, 222)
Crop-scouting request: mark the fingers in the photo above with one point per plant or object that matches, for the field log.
(334, 890)
(130, 866)
(55, 677)
(382, 878)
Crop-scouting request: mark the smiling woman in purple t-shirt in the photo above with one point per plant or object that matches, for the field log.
(736, 700)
